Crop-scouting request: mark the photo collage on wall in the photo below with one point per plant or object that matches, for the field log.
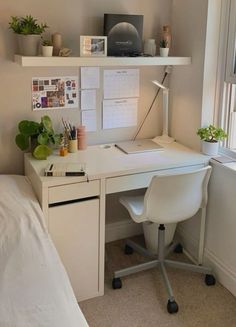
(54, 92)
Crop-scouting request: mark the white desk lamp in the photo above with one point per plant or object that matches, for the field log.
(164, 138)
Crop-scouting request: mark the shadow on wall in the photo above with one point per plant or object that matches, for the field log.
(7, 40)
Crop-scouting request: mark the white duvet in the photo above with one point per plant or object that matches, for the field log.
(34, 287)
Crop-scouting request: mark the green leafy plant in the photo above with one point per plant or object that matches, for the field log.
(46, 43)
(164, 43)
(211, 134)
(40, 137)
(26, 25)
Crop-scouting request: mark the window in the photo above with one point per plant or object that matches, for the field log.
(228, 94)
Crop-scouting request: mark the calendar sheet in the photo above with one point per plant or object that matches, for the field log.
(121, 83)
(120, 113)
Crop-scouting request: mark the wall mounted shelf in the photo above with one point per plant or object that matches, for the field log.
(99, 61)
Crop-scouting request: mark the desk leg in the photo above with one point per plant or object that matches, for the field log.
(202, 236)
(102, 235)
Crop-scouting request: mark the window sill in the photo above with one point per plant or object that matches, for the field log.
(227, 152)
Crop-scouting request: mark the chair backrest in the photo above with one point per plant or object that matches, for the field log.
(176, 197)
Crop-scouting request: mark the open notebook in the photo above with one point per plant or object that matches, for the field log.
(138, 146)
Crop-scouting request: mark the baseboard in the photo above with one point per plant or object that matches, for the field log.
(122, 229)
(223, 273)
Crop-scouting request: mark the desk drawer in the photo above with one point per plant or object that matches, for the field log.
(136, 181)
(75, 191)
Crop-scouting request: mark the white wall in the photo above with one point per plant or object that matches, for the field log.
(189, 20)
(221, 240)
(193, 103)
(71, 18)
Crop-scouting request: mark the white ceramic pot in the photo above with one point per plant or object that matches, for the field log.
(47, 50)
(28, 44)
(210, 148)
(164, 52)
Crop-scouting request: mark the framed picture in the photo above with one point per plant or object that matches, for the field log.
(95, 46)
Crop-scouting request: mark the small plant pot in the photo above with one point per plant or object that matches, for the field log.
(47, 50)
(210, 148)
(164, 52)
(28, 44)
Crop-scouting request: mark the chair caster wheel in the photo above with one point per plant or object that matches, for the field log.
(178, 248)
(210, 280)
(128, 250)
(116, 283)
(172, 307)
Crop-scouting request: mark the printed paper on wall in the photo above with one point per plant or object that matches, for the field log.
(54, 92)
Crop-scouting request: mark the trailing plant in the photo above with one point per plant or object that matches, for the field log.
(164, 43)
(26, 25)
(211, 134)
(39, 137)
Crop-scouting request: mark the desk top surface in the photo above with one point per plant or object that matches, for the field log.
(105, 161)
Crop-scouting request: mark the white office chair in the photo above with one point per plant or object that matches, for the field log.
(169, 199)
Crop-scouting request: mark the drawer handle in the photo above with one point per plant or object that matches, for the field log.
(72, 201)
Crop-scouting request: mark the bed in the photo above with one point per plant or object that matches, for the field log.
(34, 287)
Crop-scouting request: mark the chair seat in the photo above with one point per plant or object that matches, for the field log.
(135, 207)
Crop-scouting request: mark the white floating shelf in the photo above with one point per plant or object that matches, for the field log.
(99, 61)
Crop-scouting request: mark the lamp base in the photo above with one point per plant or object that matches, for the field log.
(164, 139)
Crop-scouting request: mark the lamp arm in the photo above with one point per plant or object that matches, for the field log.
(165, 111)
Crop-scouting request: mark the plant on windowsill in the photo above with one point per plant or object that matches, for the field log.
(164, 48)
(39, 137)
(211, 136)
(28, 33)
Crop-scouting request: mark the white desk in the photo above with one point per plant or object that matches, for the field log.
(77, 226)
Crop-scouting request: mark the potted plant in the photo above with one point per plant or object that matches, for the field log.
(164, 48)
(210, 137)
(39, 137)
(28, 33)
(47, 48)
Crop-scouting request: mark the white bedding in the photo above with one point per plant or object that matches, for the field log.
(34, 287)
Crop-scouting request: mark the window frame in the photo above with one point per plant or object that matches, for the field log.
(226, 76)
(231, 46)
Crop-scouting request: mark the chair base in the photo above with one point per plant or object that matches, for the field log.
(160, 262)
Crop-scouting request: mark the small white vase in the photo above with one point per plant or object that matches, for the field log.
(210, 148)
(47, 50)
(150, 47)
(164, 52)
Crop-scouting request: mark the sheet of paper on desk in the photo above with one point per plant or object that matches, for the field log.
(89, 120)
(88, 99)
(119, 113)
(90, 77)
(122, 83)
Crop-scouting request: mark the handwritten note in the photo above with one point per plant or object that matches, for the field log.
(89, 120)
(90, 77)
(88, 99)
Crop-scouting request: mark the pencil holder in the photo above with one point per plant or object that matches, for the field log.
(73, 146)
